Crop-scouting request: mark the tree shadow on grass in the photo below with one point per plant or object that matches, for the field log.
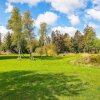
(48, 57)
(5, 57)
(26, 85)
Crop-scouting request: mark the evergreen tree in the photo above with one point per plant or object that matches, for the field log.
(68, 43)
(76, 41)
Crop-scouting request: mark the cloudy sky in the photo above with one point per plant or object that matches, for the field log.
(65, 15)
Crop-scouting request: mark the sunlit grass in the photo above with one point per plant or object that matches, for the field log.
(49, 78)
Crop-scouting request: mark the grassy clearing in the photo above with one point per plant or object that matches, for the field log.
(49, 78)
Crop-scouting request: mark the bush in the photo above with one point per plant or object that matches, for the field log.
(39, 51)
(95, 59)
(51, 52)
(49, 49)
(3, 47)
(91, 59)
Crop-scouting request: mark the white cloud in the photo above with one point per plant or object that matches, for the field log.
(48, 17)
(96, 1)
(9, 8)
(94, 13)
(69, 8)
(30, 2)
(69, 30)
(74, 19)
(66, 6)
(3, 31)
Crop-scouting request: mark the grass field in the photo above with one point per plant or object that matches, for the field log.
(49, 78)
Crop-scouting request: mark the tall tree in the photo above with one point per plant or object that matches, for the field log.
(89, 38)
(43, 36)
(68, 43)
(28, 30)
(76, 41)
(59, 40)
(96, 46)
(15, 24)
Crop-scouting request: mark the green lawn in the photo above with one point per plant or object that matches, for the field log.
(49, 78)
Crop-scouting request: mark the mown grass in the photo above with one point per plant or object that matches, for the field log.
(49, 78)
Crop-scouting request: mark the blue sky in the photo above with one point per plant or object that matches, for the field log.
(64, 15)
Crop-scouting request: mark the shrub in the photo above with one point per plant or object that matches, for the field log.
(91, 59)
(50, 49)
(51, 52)
(39, 51)
(95, 59)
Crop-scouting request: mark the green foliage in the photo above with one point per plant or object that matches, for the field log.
(68, 44)
(40, 51)
(8, 41)
(43, 33)
(28, 30)
(23, 39)
(34, 44)
(77, 42)
(43, 36)
(15, 24)
(96, 46)
(50, 49)
(62, 42)
(3, 47)
(89, 38)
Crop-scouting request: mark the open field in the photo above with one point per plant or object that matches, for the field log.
(49, 78)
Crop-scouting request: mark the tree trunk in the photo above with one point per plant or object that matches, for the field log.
(31, 56)
(19, 54)
(46, 51)
(41, 52)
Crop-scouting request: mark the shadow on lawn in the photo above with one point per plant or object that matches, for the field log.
(26, 85)
(48, 57)
(5, 57)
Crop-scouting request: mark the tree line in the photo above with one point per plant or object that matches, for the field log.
(22, 39)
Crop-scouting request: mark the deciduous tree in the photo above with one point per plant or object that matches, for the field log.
(28, 30)
(15, 24)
